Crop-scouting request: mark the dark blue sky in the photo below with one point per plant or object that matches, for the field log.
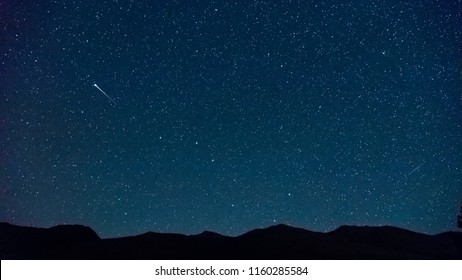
(230, 116)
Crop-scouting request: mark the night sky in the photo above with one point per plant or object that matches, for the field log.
(230, 115)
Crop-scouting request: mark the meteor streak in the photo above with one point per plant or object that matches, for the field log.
(415, 169)
(95, 85)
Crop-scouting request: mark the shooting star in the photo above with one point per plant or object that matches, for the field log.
(95, 85)
(415, 169)
(149, 194)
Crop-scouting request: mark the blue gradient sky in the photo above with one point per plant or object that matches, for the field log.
(231, 116)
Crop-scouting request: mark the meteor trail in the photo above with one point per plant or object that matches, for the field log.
(415, 169)
(95, 85)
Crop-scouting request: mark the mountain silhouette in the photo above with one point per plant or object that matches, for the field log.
(275, 242)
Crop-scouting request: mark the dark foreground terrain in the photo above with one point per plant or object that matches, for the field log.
(276, 242)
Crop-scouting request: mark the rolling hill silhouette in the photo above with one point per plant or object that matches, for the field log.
(275, 242)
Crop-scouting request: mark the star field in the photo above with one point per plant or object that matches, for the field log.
(230, 115)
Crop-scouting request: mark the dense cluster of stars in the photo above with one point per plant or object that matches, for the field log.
(231, 115)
